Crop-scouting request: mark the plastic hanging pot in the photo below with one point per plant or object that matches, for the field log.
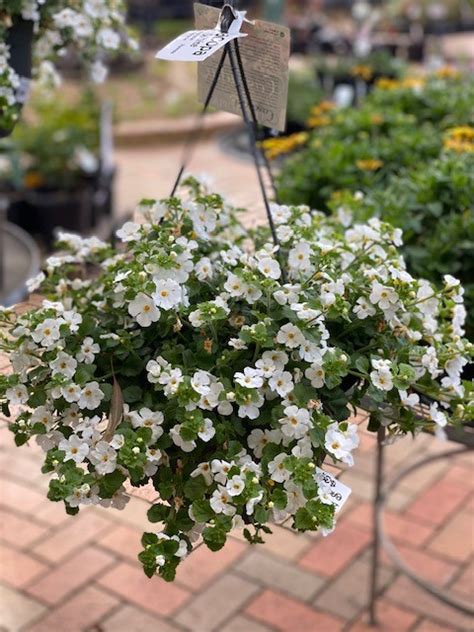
(19, 39)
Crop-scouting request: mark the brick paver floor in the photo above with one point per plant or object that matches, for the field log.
(64, 574)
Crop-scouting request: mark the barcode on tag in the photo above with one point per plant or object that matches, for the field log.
(338, 492)
(196, 45)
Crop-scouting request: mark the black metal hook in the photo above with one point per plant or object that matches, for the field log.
(228, 16)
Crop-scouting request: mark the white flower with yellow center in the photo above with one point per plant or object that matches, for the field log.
(75, 449)
(143, 310)
(168, 294)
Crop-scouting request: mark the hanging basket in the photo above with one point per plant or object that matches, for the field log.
(19, 39)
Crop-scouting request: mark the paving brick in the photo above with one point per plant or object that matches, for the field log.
(154, 595)
(17, 610)
(217, 603)
(54, 514)
(130, 619)
(438, 502)
(203, 564)
(431, 626)
(134, 514)
(19, 497)
(406, 594)
(455, 540)
(396, 526)
(426, 564)
(80, 613)
(18, 531)
(283, 542)
(390, 619)
(289, 615)
(76, 571)
(348, 594)
(329, 555)
(280, 575)
(22, 469)
(462, 474)
(75, 534)
(18, 569)
(123, 541)
(465, 581)
(363, 485)
(243, 624)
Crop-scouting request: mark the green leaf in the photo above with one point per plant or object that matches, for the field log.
(149, 539)
(132, 394)
(202, 510)
(279, 498)
(195, 488)
(158, 513)
(110, 483)
(304, 520)
(214, 538)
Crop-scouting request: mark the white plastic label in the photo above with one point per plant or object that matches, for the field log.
(338, 492)
(199, 45)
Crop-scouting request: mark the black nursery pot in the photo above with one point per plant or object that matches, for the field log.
(48, 209)
(19, 39)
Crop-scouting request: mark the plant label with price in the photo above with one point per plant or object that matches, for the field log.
(200, 44)
(338, 491)
(265, 56)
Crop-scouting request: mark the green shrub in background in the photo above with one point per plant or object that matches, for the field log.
(434, 206)
(58, 144)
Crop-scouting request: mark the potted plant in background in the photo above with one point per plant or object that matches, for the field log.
(204, 360)
(58, 171)
(46, 30)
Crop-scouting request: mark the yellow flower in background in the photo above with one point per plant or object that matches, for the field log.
(318, 116)
(394, 84)
(448, 72)
(376, 119)
(274, 147)
(384, 83)
(459, 139)
(363, 71)
(369, 164)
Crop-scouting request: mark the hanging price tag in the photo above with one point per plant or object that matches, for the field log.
(265, 55)
(200, 44)
(338, 492)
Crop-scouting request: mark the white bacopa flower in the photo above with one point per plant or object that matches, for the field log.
(279, 359)
(277, 469)
(75, 448)
(130, 231)
(296, 498)
(281, 382)
(168, 294)
(412, 400)
(43, 415)
(382, 380)
(315, 374)
(108, 39)
(385, 297)
(104, 458)
(437, 416)
(270, 268)
(280, 213)
(363, 308)
(250, 378)
(299, 257)
(144, 310)
(47, 332)
(17, 395)
(220, 469)
(235, 486)
(204, 470)
(201, 382)
(266, 367)
(88, 351)
(296, 423)
(64, 364)
(206, 431)
(145, 418)
(70, 392)
(203, 269)
(91, 396)
(221, 502)
(33, 284)
(98, 72)
(171, 381)
(175, 434)
(287, 294)
(340, 444)
(290, 336)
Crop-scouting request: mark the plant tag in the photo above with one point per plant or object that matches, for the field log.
(200, 44)
(338, 491)
(265, 56)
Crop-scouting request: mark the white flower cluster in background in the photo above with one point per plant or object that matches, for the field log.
(223, 370)
(95, 29)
